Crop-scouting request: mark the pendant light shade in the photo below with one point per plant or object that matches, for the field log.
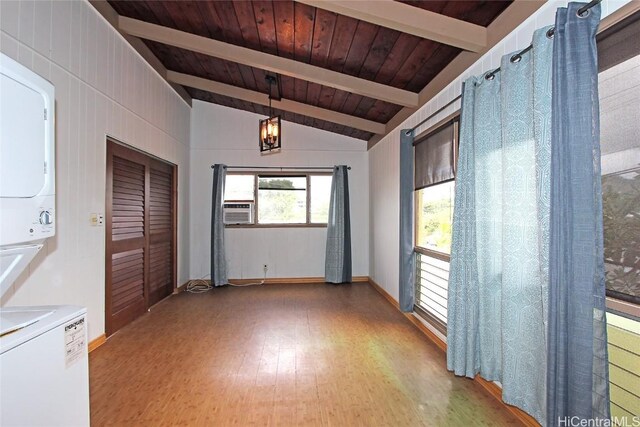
(270, 134)
(270, 131)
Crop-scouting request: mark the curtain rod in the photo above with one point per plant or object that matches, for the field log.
(514, 58)
(440, 110)
(518, 56)
(282, 167)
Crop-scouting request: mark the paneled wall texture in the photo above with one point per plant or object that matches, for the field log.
(103, 87)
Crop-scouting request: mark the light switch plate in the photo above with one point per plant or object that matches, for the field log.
(96, 219)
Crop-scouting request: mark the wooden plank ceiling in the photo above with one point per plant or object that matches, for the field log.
(311, 35)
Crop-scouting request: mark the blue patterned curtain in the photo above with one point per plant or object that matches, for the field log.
(218, 259)
(407, 271)
(498, 282)
(338, 254)
(577, 343)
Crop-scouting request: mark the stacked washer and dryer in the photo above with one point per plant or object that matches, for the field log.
(44, 377)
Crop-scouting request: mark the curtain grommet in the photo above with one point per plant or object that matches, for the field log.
(550, 32)
(583, 14)
(489, 76)
(515, 58)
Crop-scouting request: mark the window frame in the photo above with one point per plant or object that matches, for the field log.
(455, 119)
(614, 305)
(419, 249)
(420, 311)
(256, 206)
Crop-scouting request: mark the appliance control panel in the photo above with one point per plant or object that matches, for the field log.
(19, 225)
(46, 217)
(44, 223)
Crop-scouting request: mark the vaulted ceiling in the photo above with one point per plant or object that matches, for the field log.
(345, 67)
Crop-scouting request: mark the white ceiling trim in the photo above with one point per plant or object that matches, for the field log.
(282, 104)
(504, 24)
(265, 61)
(411, 20)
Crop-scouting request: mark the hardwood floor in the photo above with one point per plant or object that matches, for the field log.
(281, 355)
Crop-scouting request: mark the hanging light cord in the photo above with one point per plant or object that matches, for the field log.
(270, 96)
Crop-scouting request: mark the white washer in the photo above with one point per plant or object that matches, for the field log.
(44, 366)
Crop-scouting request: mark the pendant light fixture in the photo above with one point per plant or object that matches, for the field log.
(270, 132)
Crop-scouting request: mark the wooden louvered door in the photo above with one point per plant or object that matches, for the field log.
(140, 234)
(161, 188)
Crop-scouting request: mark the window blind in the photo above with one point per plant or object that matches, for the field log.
(282, 182)
(435, 157)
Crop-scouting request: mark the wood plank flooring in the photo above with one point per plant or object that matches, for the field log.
(281, 355)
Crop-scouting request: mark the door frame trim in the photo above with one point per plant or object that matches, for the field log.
(143, 157)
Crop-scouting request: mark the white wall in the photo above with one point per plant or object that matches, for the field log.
(384, 156)
(102, 88)
(224, 135)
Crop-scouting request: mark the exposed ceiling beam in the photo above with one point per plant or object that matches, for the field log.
(411, 20)
(112, 16)
(273, 63)
(504, 24)
(283, 104)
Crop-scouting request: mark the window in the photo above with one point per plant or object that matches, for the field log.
(434, 216)
(320, 197)
(239, 188)
(435, 155)
(619, 89)
(282, 199)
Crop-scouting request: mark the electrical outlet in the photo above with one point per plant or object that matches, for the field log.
(265, 268)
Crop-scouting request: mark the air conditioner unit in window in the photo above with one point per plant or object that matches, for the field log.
(238, 213)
